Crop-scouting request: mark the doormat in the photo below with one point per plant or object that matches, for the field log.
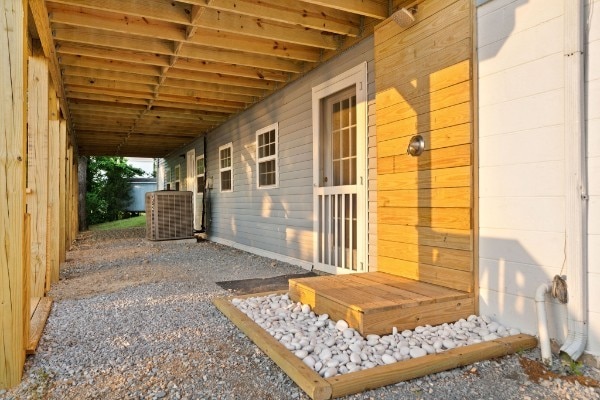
(260, 285)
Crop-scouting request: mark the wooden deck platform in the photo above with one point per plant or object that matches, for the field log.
(375, 302)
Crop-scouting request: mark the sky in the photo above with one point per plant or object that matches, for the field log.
(143, 163)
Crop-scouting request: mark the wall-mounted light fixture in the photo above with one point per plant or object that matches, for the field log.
(404, 17)
(416, 145)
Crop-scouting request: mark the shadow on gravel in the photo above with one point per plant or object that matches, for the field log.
(260, 285)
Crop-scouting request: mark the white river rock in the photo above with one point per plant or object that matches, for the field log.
(332, 347)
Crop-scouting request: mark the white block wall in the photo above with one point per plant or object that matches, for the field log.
(521, 160)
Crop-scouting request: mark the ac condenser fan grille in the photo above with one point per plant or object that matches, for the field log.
(169, 215)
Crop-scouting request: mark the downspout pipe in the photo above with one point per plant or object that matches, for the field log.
(544, 337)
(576, 196)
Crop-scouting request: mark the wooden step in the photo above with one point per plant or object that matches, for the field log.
(375, 302)
(38, 322)
(319, 388)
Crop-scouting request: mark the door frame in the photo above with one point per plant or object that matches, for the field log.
(356, 77)
(190, 180)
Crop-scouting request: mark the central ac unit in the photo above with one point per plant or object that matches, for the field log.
(169, 215)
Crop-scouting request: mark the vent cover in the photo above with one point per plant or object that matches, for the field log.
(169, 215)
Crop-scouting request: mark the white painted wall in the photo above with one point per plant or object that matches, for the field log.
(521, 159)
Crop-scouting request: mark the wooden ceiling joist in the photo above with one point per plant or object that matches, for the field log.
(377, 9)
(91, 73)
(133, 72)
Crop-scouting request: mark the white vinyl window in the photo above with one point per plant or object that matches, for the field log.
(266, 156)
(226, 167)
(200, 174)
(167, 179)
(177, 177)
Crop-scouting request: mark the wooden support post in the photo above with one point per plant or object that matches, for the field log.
(74, 197)
(62, 207)
(53, 241)
(27, 269)
(37, 163)
(69, 186)
(13, 151)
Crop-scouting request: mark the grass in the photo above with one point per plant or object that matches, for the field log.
(133, 222)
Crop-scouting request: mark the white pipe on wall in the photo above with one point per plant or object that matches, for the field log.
(540, 302)
(575, 179)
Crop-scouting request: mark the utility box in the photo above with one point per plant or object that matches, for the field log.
(169, 215)
(138, 189)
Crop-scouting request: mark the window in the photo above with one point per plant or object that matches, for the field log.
(266, 156)
(200, 174)
(167, 179)
(225, 167)
(176, 176)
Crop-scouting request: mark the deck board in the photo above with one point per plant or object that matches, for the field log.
(376, 302)
(37, 323)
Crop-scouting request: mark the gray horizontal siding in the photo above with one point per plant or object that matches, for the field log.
(280, 219)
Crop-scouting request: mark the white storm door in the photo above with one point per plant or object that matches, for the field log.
(339, 184)
(190, 178)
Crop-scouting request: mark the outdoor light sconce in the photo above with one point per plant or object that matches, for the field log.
(415, 146)
(404, 17)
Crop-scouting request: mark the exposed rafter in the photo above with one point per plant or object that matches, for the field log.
(133, 71)
(40, 19)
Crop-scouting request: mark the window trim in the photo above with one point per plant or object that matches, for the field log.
(272, 127)
(167, 181)
(200, 190)
(230, 168)
(177, 174)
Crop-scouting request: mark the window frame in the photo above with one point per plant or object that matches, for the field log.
(275, 157)
(167, 181)
(200, 190)
(225, 169)
(177, 177)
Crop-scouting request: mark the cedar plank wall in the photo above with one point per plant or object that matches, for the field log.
(425, 204)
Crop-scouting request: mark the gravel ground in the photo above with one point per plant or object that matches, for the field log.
(133, 319)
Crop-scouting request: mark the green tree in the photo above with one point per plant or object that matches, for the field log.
(108, 188)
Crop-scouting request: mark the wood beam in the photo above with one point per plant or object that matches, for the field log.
(37, 166)
(368, 8)
(115, 40)
(118, 23)
(237, 58)
(213, 19)
(68, 196)
(73, 83)
(42, 24)
(290, 12)
(265, 29)
(233, 70)
(62, 207)
(249, 44)
(74, 197)
(156, 9)
(189, 80)
(91, 73)
(53, 247)
(13, 86)
(137, 57)
(108, 65)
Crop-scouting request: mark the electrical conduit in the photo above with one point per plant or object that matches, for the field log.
(540, 303)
